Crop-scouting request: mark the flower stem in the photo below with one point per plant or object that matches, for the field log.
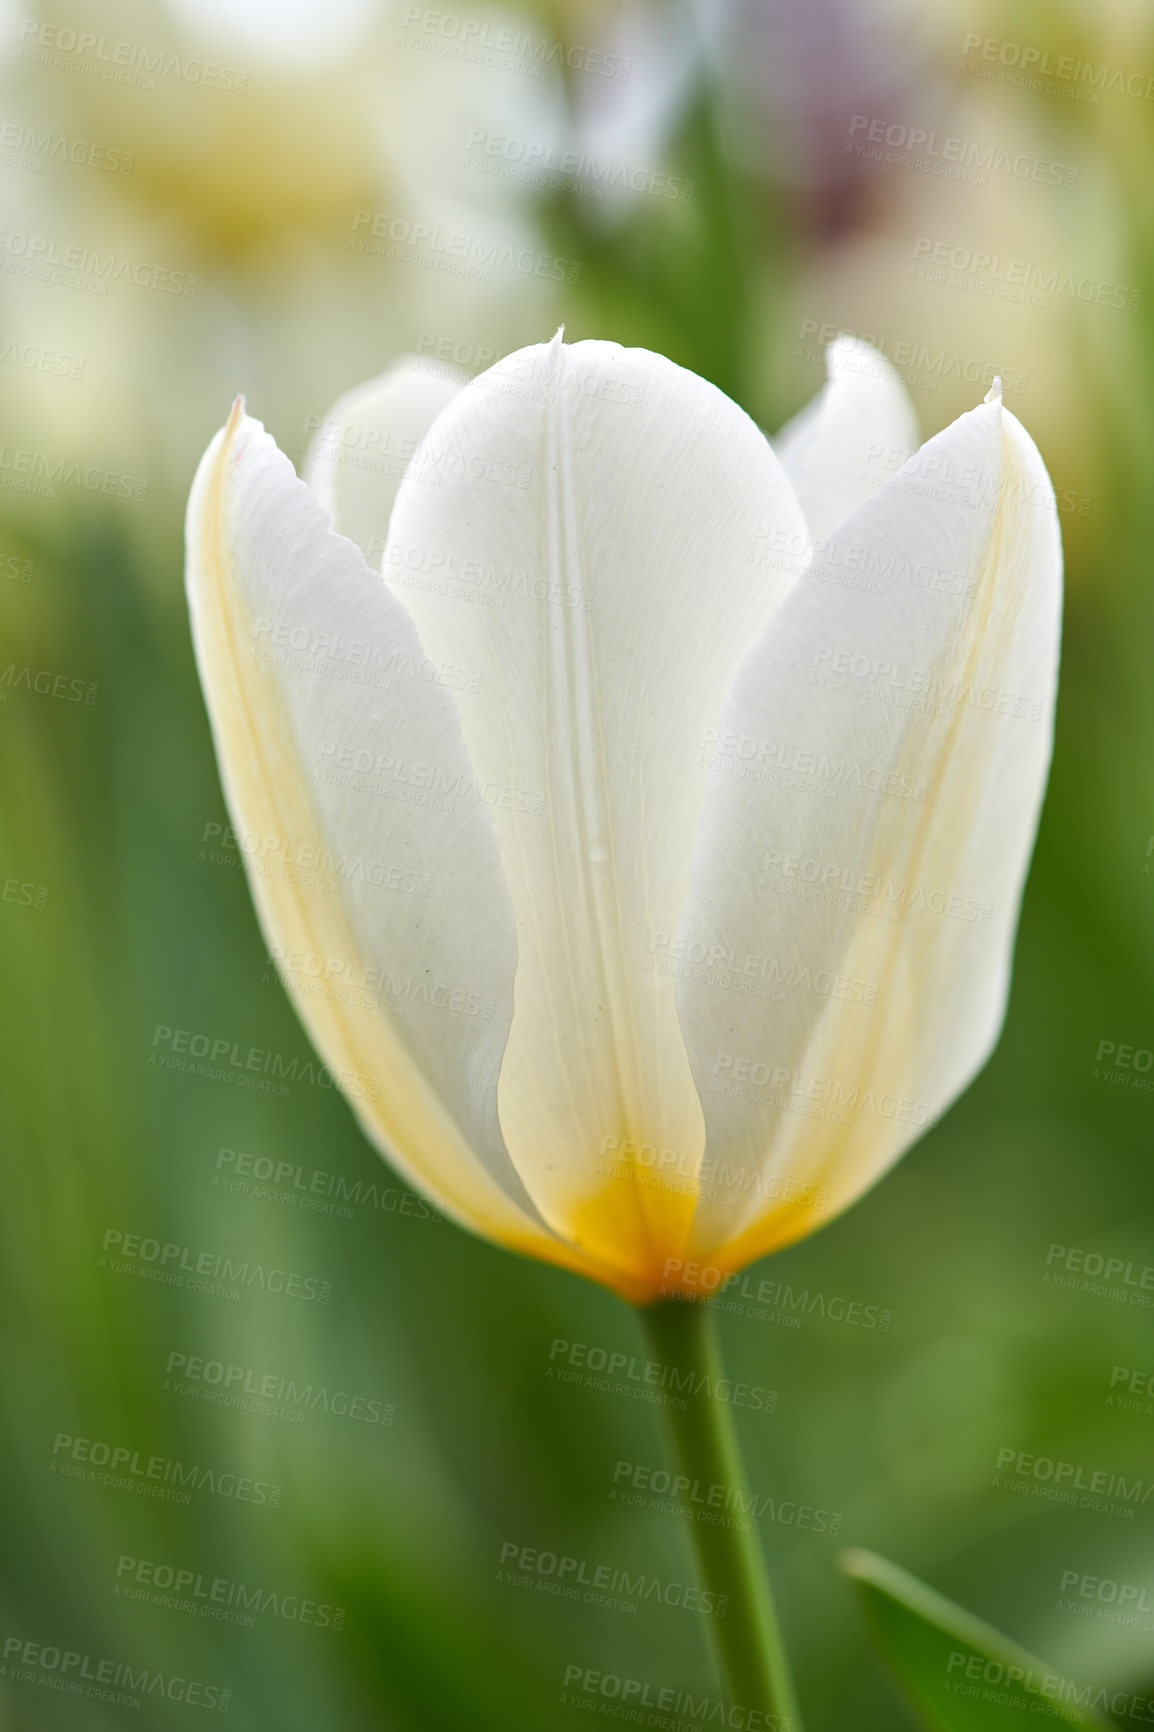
(749, 1648)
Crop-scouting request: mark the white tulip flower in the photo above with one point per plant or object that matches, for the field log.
(638, 814)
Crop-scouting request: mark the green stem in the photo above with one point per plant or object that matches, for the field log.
(750, 1651)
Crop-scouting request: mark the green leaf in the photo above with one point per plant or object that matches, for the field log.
(959, 1674)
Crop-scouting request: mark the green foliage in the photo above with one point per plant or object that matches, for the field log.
(959, 1674)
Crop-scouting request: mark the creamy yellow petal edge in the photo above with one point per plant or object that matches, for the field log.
(861, 875)
(599, 536)
(372, 856)
(362, 447)
(851, 439)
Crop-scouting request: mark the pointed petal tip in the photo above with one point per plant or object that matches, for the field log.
(558, 336)
(994, 394)
(236, 415)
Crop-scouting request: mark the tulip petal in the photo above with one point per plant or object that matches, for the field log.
(610, 533)
(365, 443)
(372, 861)
(858, 875)
(851, 439)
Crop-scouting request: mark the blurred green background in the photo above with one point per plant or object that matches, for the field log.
(122, 911)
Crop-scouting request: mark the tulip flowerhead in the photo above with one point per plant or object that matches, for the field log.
(638, 813)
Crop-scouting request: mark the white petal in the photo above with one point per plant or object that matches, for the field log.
(866, 838)
(363, 446)
(851, 439)
(372, 861)
(609, 536)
